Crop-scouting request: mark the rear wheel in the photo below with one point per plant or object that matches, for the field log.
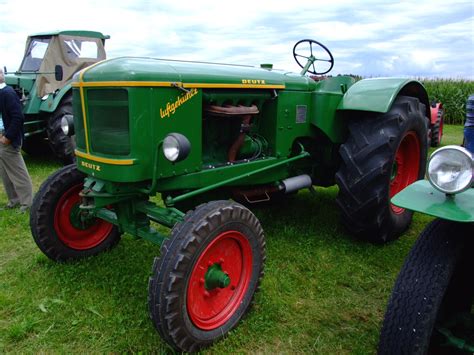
(430, 307)
(62, 146)
(381, 157)
(437, 129)
(207, 274)
(56, 223)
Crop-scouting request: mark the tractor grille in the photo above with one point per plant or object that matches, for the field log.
(108, 121)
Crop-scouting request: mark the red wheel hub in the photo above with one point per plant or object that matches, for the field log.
(209, 309)
(406, 166)
(69, 233)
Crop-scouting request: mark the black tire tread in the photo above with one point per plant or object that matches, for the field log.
(61, 145)
(367, 159)
(420, 287)
(184, 238)
(42, 212)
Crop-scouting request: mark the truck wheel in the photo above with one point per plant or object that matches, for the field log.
(381, 157)
(56, 225)
(36, 146)
(437, 129)
(433, 289)
(208, 272)
(62, 145)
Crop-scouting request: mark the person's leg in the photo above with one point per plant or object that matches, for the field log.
(17, 174)
(12, 196)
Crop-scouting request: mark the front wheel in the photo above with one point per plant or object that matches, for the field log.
(62, 146)
(207, 274)
(56, 223)
(430, 307)
(381, 157)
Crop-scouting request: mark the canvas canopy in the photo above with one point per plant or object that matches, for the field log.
(73, 53)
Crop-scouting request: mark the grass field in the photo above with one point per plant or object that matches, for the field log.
(323, 291)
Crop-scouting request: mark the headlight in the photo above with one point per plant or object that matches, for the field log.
(176, 147)
(450, 169)
(67, 125)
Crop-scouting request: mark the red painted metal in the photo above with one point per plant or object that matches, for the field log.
(407, 160)
(210, 309)
(73, 237)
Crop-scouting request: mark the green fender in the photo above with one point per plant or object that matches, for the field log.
(422, 197)
(378, 94)
(52, 102)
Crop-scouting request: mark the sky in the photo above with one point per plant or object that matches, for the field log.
(422, 38)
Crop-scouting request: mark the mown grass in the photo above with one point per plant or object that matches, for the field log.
(323, 291)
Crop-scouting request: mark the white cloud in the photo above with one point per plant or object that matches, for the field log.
(369, 38)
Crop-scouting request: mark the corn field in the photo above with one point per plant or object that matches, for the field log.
(453, 93)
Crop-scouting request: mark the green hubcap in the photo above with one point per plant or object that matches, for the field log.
(216, 278)
(80, 219)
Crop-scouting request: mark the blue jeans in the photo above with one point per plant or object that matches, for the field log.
(469, 139)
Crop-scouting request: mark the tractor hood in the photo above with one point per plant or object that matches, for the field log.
(129, 71)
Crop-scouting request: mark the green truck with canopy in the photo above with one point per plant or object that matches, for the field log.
(43, 83)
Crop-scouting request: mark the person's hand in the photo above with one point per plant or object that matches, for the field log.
(4, 140)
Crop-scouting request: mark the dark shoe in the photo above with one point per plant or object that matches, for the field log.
(24, 209)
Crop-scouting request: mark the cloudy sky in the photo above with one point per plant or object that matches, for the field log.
(422, 38)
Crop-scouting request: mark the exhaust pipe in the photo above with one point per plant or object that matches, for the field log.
(296, 183)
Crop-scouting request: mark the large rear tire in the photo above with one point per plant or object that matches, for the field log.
(437, 129)
(381, 157)
(433, 288)
(208, 272)
(62, 146)
(55, 220)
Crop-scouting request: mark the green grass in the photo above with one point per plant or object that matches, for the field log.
(323, 291)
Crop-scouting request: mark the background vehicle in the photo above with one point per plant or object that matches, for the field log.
(43, 83)
(431, 307)
(201, 133)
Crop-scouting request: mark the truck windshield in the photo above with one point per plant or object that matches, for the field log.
(34, 54)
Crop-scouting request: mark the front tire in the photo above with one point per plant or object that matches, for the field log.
(433, 288)
(56, 225)
(381, 157)
(61, 145)
(207, 274)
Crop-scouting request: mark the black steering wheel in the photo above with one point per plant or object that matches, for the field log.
(312, 45)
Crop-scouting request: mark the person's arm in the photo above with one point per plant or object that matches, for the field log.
(13, 107)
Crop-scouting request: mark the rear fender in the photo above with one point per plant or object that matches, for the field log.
(378, 94)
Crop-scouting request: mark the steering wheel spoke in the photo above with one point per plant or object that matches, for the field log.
(311, 59)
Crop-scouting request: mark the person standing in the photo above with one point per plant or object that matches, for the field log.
(13, 171)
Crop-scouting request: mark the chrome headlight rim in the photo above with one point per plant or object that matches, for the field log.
(67, 125)
(443, 151)
(176, 147)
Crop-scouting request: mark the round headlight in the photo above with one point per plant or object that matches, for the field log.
(450, 169)
(67, 125)
(176, 147)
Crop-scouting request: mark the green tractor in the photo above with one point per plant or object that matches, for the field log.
(43, 83)
(204, 136)
(431, 309)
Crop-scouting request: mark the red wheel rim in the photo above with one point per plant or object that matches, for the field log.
(70, 235)
(406, 166)
(210, 309)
